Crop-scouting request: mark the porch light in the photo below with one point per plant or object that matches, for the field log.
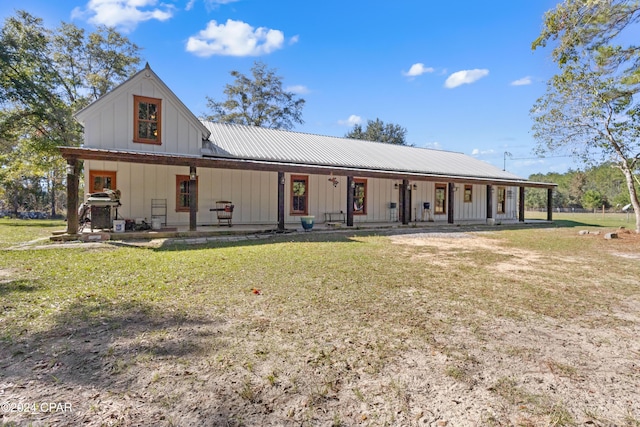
(415, 186)
(192, 175)
(282, 181)
(395, 185)
(70, 169)
(353, 184)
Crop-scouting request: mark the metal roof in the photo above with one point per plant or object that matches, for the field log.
(257, 143)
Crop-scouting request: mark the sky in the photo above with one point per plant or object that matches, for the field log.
(459, 76)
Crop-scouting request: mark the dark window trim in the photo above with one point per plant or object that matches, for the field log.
(304, 178)
(179, 179)
(364, 207)
(136, 119)
(468, 189)
(443, 187)
(95, 173)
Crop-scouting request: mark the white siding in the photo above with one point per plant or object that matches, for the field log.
(109, 125)
(255, 195)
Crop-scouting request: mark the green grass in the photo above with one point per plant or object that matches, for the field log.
(16, 231)
(332, 306)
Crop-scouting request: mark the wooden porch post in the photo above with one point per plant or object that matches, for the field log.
(350, 189)
(521, 205)
(193, 198)
(549, 204)
(72, 196)
(406, 206)
(451, 190)
(281, 181)
(489, 202)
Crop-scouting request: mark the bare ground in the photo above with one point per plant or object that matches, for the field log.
(183, 370)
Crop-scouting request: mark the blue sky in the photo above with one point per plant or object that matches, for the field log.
(459, 76)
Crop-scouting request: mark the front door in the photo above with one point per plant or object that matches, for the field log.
(405, 204)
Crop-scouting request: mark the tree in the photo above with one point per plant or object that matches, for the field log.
(379, 131)
(590, 106)
(46, 75)
(258, 101)
(592, 199)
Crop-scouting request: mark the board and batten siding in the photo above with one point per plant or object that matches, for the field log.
(110, 124)
(255, 195)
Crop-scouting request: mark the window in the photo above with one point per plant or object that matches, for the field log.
(501, 200)
(182, 193)
(468, 193)
(99, 180)
(147, 120)
(441, 199)
(299, 195)
(360, 196)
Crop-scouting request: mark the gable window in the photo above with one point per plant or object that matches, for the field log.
(147, 127)
(359, 196)
(182, 193)
(502, 199)
(468, 193)
(441, 199)
(99, 180)
(299, 195)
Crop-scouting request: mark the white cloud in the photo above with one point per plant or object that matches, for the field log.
(294, 39)
(418, 69)
(465, 77)
(522, 82)
(234, 38)
(351, 121)
(123, 14)
(478, 152)
(297, 89)
(190, 4)
(433, 145)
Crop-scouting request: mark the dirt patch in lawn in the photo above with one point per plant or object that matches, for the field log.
(407, 357)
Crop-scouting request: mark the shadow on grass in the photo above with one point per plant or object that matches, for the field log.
(12, 286)
(94, 342)
(567, 223)
(330, 236)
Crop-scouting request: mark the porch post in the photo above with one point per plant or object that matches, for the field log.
(489, 202)
(72, 196)
(350, 189)
(521, 205)
(281, 182)
(451, 190)
(406, 207)
(193, 198)
(549, 204)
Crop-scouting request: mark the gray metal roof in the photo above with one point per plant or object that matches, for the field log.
(256, 143)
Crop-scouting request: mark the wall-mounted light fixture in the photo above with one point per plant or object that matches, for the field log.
(395, 185)
(353, 184)
(415, 186)
(70, 169)
(282, 181)
(192, 175)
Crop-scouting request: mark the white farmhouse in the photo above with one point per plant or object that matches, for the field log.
(142, 140)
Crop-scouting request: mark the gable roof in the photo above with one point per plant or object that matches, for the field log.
(256, 143)
(145, 73)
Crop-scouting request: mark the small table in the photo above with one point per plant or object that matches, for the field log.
(335, 216)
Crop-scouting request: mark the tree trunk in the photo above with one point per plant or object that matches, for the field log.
(633, 194)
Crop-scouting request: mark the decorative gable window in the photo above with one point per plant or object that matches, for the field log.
(147, 127)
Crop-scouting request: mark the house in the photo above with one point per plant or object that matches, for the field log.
(141, 139)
